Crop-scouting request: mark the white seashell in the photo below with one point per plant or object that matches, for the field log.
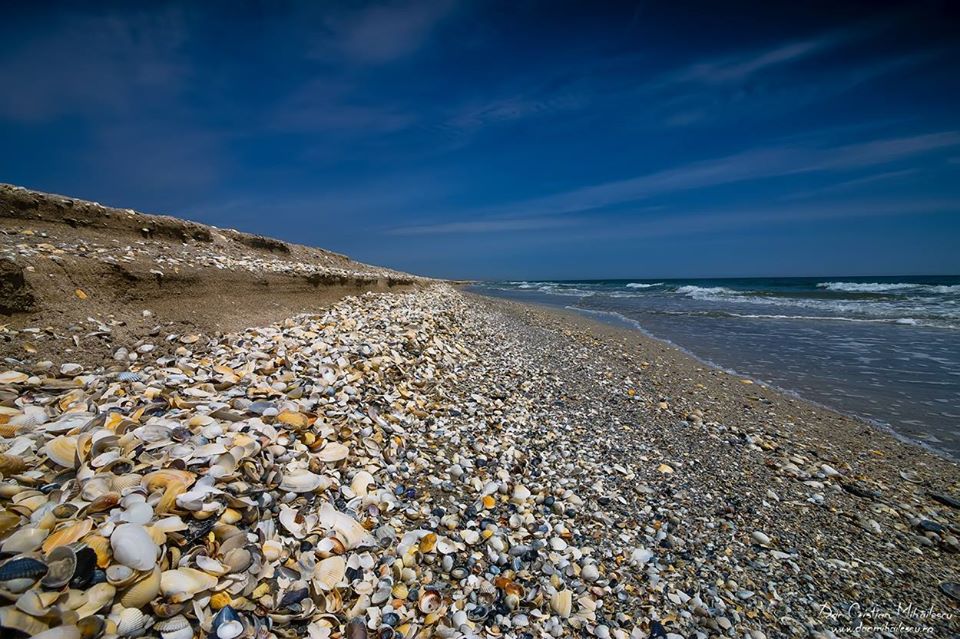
(230, 629)
(138, 513)
(130, 622)
(68, 422)
(212, 566)
(24, 540)
(760, 538)
(333, 452)
(562, 603)
(351, 533)
(361, 483)
(303, 481)
(62, 451)
(329, 572)
(59, 632)
(470, 536)
(133, 547)
(31, 416)
(177, 627)
(181, 584)
(520, 494)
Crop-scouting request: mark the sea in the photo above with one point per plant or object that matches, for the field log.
(885, 349)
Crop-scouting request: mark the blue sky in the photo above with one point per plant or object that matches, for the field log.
(509, 139)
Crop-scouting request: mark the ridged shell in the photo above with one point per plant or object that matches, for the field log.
(142, 592)
(11, 464)
(329, 572)
(177, 627)
(130, 622)
(134, 547)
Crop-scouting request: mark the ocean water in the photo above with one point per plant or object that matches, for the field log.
(886, 349)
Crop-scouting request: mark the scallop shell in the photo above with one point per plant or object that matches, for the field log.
(177, 627)
(142, 592)
(329, 572)
(12, 464)
(303, 481)
(333, 452)
(130, 622)
(68, 534)
(134, 547)
(61, 565)
(62, 451)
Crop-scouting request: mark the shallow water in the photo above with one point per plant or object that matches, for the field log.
(884, 349)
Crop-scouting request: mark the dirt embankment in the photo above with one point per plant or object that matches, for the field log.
(80, 281)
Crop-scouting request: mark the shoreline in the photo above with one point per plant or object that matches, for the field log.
(621, 321)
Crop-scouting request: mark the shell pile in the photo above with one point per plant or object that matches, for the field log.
(327, 476)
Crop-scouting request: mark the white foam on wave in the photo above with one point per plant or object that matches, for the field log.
(708, 292)
(641, 285)
(887, 287)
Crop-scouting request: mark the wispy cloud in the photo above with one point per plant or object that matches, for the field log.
(384, 32)
(486, 226)
(751, 165)
(740, 67)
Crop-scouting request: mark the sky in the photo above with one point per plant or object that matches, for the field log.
(509, 140)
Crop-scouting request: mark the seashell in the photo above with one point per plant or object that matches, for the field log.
(62, 451)
(120, 576)
(356, 629)
(227, 624)
(103, 503)
(176, 627)
(14, 619)
(24, 540)
(347, 528)
(60, 632)
(68, 421)
(361, 483)
(272, 549)
(86, 564)
(91, 627)
(910, 476)
(134, 547)
(238, 559)
(333, 452)
(562, 603)
(123, 483)
(428, 543)
(61, 565)
(67, 535)
(181, 584)
(101, 547)
(35, 603)
(20, 573)
(172, 482)
(11, 465)
(95, 487)
(138, 513)
(430, 601)
(143, 591)
(211, 566)
(130, 622)
(329, 572)
(13, 377)
(98, 596)
(303, 481)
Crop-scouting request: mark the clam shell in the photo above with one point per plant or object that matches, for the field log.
(181, 584)
(61, 565)
(329, 572)
(143, 591)
(346, 527)
(14, 619)
(62, 451)
(60, 632)
(333, 452)
(13, 377)
(361, 483)
(176, 627)
(430, 602)
(303, 481)
(68, 534)
(134, 547)
(121, 576)
(98, 596)
(24, 540)
(562, 603)
(211, 566)
(238, 559)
